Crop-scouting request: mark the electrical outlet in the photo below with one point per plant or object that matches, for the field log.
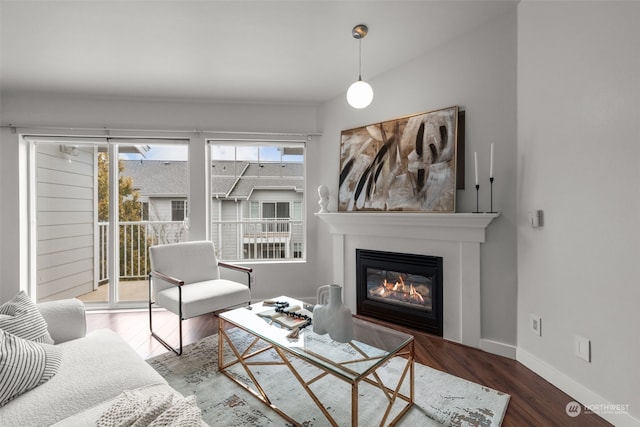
(535, 324)
(583, 348)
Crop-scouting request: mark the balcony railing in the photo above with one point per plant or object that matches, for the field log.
(254, 239)
(258, 239)
(135, 239)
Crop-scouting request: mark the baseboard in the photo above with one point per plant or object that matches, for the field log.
(576, 390)
(499, 348)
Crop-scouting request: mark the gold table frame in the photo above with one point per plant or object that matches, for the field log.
(370, 376)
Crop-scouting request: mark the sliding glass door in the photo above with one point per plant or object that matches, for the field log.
(96, 208)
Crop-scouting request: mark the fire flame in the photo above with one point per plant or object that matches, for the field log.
(398, 290)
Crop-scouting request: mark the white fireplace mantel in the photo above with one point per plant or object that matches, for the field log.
(465, 227)
(455, 236)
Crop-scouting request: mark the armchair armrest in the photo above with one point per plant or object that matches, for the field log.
(240, 268)
(66, 319)
(166, 278)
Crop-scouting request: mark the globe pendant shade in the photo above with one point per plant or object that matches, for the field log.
(360, 94)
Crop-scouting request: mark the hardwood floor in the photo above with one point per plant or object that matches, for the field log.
(534, 401)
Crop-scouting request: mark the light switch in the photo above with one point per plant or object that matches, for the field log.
(583, 348)
(535, 219)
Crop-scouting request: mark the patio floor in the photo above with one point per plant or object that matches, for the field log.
(130, 290)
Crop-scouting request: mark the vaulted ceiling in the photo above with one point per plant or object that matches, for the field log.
(234, 51)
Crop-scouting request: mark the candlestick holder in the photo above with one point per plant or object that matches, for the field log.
(477, 199)
(491, 197)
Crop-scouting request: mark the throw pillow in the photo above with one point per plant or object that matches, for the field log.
(21, 317)
(25, 365)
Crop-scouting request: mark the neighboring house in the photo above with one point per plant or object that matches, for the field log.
(162, 187)
(256, 207)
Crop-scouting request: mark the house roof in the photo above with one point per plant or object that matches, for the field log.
(157, 178)
(229, 179)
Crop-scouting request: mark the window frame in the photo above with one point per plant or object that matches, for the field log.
(144, 211)
(182, 211)
(251, 207)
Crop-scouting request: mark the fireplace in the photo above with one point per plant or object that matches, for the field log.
(405, 289)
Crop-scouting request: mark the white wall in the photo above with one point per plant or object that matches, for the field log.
(578, 160)
(2, 204)
(12, 262)
(63, 111)
(51, 110)
(478, 73)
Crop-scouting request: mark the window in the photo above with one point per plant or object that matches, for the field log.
(257, 199)
(145, 211)
(297, 250)
(279, 211)
(178, 210)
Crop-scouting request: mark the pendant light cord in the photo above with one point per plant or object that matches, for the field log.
(360, 59)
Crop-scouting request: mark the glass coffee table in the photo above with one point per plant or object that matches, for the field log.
(372, 376)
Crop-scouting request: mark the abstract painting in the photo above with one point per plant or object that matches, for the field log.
(405, 164)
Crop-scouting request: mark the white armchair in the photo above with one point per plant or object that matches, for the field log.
(185, 279)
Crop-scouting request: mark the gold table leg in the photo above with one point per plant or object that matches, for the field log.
(393, 395)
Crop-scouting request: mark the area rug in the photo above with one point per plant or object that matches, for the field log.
(440, 398)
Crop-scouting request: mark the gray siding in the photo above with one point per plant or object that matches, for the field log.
(159, 209)
(229, 234)
(275, 195)
(65, 222)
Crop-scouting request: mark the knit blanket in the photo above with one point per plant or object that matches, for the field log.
(133, 409)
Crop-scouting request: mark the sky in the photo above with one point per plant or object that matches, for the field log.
(218, 152)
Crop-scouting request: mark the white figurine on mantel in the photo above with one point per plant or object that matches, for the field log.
(323, 192)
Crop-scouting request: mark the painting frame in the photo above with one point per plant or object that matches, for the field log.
(407, 164)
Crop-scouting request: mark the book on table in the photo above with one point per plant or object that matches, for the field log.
(289, 322)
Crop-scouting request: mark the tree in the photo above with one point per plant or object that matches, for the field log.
(133, 241)
(130, 208)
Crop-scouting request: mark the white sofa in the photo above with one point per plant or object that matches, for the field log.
(95, 369)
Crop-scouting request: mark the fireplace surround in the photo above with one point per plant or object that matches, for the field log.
(456, 237)
(401, 288)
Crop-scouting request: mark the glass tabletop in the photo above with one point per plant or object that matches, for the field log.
(372, 344)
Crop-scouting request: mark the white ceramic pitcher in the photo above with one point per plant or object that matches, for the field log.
(331, 316)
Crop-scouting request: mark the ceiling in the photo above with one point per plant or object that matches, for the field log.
(234, 51)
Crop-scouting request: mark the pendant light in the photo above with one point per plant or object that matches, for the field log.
(360, 93)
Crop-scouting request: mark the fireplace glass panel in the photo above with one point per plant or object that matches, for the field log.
(406, 290)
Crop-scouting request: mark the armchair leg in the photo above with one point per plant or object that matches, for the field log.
(166, 345)
(177, 351)
(154, 335)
